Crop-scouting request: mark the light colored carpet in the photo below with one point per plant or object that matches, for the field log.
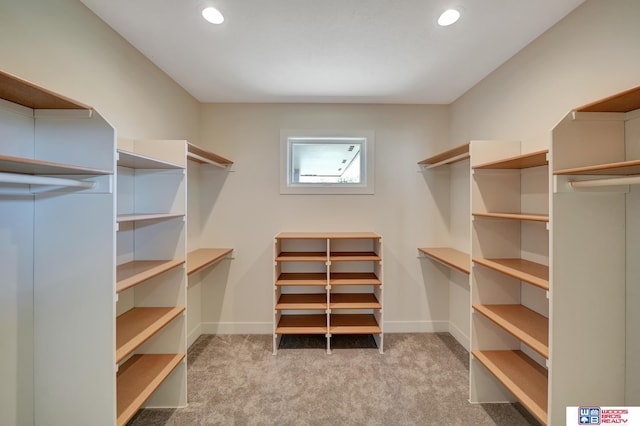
(421, 379)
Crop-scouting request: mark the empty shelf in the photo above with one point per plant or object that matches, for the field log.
(534, 159)
(137, 325)
(302, 301)
(138, 378)
(522, 376)
(528, 326)
(204, 257)
(327, 235)
(147, 216)
(138, 161)
(622, 168)
(354, 324)
(30, 166)
(450, 156)
(353, 256)
(524, 270)
(354, 278)
(133, 273)
(201, 155)
(25, 93)
(450, 257)
(354, 301)
(302, 278)
(515, 216)
(302, 324)
(302, 256)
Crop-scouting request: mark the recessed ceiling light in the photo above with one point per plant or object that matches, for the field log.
(212, 15)
(448, 17)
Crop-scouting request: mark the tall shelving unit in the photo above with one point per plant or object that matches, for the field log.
(57, 245)
(203, 169)
(329, 284)
(151, 276)
(510, 276)
(594, 280)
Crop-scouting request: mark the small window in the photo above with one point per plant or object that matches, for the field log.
(315, 162)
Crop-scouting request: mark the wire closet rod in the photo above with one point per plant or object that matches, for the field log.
(629, 180)
(205, 160)
(447, 161)
(43, 180)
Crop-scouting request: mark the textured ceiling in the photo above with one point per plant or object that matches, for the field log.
(357, 51)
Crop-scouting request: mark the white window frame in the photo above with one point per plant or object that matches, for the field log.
(366, 186)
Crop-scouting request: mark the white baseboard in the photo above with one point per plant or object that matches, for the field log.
(193, 335)
(416, 326)
(236, 327)
(460, 336)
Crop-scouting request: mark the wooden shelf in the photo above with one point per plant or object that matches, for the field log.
(138, 217)
(450, 257)
(354, 301)
(353, 324)
(204, 257)
(302, 301)
(622, 168)
(133, 273)
(138, 378)
(22, 92)
(524, 270)
(302, 324)
(515, 216)
(534, 159)
(302, 256)
(327, 236)
(9, 164)
(354, 278)
(207, 155)
(134, 160)
(302, 279)
(137, 325)
(523, 377)
(522, 323)
(453, 155)
(626, 101)
(353, 256)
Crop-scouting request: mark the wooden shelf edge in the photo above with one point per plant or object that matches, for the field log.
(140, 324)
(524, 324)
(354, 301)
(345, 256)
(626, 101)
(533, 273)
(207, 155)
(525, 379)
(29, 166)
(134, 160)
(303, 301)
(449, 156)
(524, 161)
(19, 91)
(621, 168)
(302, 324)
(146, 216)
(354, 324)
(514, 216)
(450, 257)
(138, 379)
(133, 273)
(205, 257)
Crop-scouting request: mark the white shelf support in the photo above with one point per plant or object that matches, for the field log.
(205, 160)
(43, 180)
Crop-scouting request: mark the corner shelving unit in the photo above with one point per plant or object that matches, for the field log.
(595, 163)
(328, 283)
(57, 160)
(151, 277)
(510, 326)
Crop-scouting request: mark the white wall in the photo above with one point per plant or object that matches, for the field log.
(63, 46)
(591, 54)
(249, 209)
